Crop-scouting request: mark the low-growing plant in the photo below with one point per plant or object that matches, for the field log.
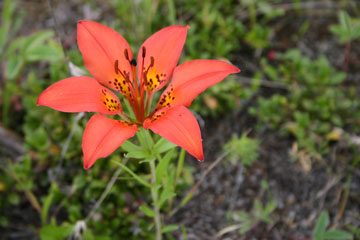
(243, 149)
(315, 102)
(321, 233)
(17, 52)
(259, 213)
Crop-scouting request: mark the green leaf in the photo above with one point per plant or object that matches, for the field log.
(147, 211)
(161, 168)
(47, 203)
(169, 228)
(345, 20)
(163, 145)
(321, 225)
(43, 53)
(165, 195)
(134, 151)
(179, 166)
(4, 29)
(138, 155)
(53, 232)
(7, 11)
(148, 160)
(16, 44)
(137, 177)
(270, 207)
(36, 39)
(337, 234)
(258, 205)
(144, 139)
(13, 67)
(130, 147)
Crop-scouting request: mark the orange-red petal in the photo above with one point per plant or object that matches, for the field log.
(102, 136)
(101, 47)
(179, 126)
(193, 77)
(80, 94)
(164, 47)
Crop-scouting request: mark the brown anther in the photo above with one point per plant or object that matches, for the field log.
(116, 66)
(152, 61)
(133, 62)
(143, 52)
(126, 53)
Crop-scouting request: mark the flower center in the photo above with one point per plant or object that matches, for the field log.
(122, 83)
(152, 77)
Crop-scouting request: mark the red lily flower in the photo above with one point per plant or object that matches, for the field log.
(110, 60)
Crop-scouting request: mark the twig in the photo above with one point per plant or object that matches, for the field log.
(263, 83)
(58, 33)
(291, 6)
(68, 140)
(344, 199)
(192, 191)
(57, 209)
(238, 180)
(10, 144)
(106, 191)
(31, 197)
(332, 182)
(228, 229)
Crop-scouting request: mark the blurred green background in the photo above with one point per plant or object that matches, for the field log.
(284, 133)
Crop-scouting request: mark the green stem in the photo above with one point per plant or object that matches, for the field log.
(155, 197)
(149, 97)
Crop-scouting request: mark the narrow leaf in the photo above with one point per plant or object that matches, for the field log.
(161, 168)
(13, 67)
(138, 154)
(130, 147)
(170, 228)
(147, 211)
(137, 177)
(43, 53)
(163, 145)
(321, 225)
(337, 234)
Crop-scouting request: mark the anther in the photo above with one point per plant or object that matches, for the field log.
(152, 61)
(117, 66)
(133, 62)
(126, 53)
(143, 52)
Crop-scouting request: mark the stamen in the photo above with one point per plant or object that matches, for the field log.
(143, 52)
(116, 66)
(133, 62)
(152, 61)
(125, 86)
(126, 53)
